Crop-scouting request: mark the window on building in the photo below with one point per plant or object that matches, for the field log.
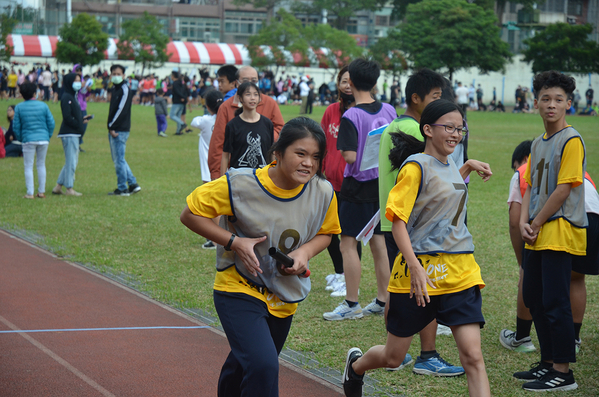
(575, 7)
(382, 20)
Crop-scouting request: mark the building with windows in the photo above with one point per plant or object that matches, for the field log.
(520, 24)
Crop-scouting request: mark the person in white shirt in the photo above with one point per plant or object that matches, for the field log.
(304, 92)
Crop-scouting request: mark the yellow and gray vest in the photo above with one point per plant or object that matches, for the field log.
(436, 223)
(287, 224)
(545, 162)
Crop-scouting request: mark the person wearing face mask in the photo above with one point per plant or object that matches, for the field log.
(82, 95)
(119, 125)
(333, 166)
(71, 130)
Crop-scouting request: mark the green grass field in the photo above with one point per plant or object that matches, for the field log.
(142, 237)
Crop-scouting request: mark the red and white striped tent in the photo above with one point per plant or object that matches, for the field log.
(181, 52)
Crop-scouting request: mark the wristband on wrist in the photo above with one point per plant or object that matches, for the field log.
(228, 246)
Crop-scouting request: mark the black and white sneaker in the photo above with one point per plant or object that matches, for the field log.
(118, 192)
(209, 245)
(352, 382)
(134, 188)
(553, 380)
(536, 371)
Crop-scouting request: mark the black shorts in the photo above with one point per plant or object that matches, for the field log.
(589, 264)
(405, 318)
(353, 217)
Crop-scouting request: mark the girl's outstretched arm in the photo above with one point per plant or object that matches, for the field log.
(482, 169)
(243, 247)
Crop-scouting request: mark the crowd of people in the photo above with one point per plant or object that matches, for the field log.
(363, 174)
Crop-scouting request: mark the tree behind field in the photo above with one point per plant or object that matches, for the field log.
(452, 35)
(385, 51)
(563, 47)
(144, 41)
(6, 26)
(82, 41)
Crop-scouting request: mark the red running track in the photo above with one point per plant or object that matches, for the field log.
(39, 292)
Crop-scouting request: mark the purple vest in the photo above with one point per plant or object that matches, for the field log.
(364, 123)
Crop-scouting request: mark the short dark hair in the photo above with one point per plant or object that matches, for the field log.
(521, 152)
(300, 128)
(422, 83)
(448, 93)
(228, 71)
(551, 79)
(116, 65)
(159, 91)
(364, 73)
(28, 90)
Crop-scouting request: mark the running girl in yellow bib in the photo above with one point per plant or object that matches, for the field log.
(288, 205)
(435, 275)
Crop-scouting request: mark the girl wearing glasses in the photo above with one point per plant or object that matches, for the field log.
(435, 275)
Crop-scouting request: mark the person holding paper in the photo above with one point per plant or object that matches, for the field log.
(358, 198)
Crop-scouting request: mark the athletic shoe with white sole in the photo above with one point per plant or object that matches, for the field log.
(436, 366)
(577, 343)
(508, 340)
(443, 330)
(352, 382)
(406, 361)
(334, 282)
(344, 312)
(373, 308)
(552, 381)
(339, 290)
(536, 371)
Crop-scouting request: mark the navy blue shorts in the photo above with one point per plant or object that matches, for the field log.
(405, 318)
(353, 217)
(589, 264)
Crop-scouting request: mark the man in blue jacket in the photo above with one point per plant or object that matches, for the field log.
(119, 125)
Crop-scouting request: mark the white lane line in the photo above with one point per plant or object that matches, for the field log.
(29, 331)
(59, 359)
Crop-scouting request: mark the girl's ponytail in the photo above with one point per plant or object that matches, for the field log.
(213, 98)
(404, 146)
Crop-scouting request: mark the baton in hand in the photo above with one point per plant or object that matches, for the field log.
(285, 260)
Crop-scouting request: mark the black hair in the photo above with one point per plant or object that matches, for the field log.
(28, 90)
(213, 99)
(448, 93)
(521, 152)
(364, 73)
(228, 71)
(300, 128)
(160, 91)
(241, 90)
(422, 83)
(116, 65)
(552, 79)
(344, 103)
(13, 109)
(406, 145)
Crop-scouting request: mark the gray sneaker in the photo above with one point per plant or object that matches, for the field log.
(344, 312)
(508, 340)
(373, 308)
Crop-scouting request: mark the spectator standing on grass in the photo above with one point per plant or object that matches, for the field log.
(161, 112)
(46, 82)
(267, 107)
(462, 96)
(12, 84)
(304, 92)
(70, 132)
(82, 95)
(359, 195)
(180, 95)
(33, 125)
(119, 126)
(589, 95)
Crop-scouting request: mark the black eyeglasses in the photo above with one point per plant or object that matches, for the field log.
(450, 129)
